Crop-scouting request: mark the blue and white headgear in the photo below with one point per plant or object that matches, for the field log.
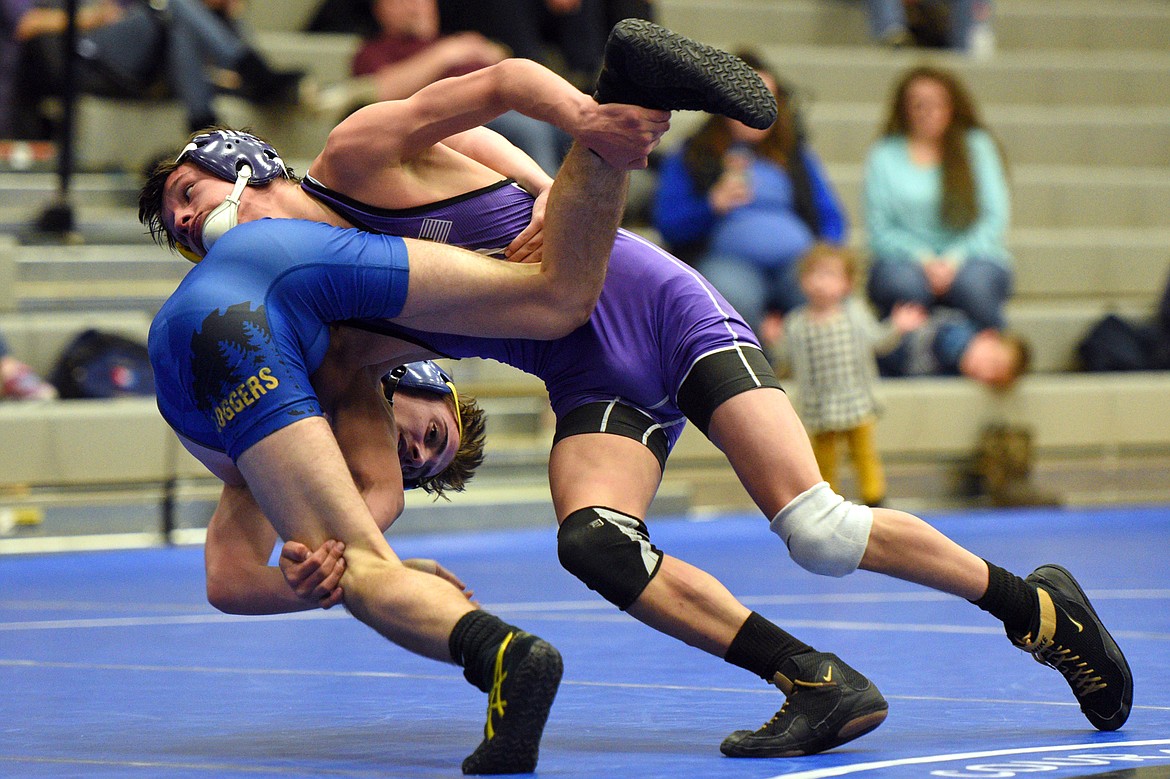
(233, 156)
(422, 376)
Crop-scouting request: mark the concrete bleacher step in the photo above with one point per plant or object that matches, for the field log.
(1035, 24)
(279, 15)
(1055, 196)
(1097, 136)
(92, 224)
(1082, 24)
(35, 190)
(793, 22)
(297, 132)
(327, 56)
(93, 262)
(1092, 264)
(88, 276)
(1040, 78)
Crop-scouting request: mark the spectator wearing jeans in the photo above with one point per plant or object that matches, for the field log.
(937, 203)
(126, 47)
(891, 22)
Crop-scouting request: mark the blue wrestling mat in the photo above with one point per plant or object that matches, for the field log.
(113, 665)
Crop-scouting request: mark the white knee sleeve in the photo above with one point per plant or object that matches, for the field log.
(825, 533)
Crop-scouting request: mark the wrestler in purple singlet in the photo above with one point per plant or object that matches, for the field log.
(656, 318)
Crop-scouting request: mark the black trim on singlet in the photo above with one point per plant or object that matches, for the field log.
(317, 187)
(720, 376)
(382, 327)
(615, 418)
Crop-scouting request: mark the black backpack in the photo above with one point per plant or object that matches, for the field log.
(103, 365)
(1116, 344)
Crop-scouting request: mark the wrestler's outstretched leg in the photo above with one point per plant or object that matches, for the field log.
(1047, 614)
(602, 484)
(299, 478)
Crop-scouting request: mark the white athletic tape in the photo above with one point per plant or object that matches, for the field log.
(825, 533)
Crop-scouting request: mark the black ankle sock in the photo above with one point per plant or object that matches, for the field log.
(760, 647)
(1009, 599)
(473, 644)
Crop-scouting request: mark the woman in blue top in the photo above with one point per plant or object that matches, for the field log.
(744, 205)
(937, 203)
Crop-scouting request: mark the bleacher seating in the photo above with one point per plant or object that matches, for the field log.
(1078, 92)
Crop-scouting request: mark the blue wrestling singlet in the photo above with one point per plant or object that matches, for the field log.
(234, 346)
(656, 318)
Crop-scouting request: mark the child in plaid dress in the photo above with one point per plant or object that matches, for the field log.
(830, 345)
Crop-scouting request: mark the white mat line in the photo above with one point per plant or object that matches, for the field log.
(819, 624)
(455, 677)
(843, 770)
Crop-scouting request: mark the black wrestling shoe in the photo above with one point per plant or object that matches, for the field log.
(650, 66)
(1069, 637)
(525, 678)
(828, 704)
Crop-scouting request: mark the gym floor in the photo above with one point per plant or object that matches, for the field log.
(113, 665)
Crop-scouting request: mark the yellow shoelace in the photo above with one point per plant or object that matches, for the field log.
(496, 702)
(1079, 674)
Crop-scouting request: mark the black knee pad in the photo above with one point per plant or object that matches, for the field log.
(610, 552)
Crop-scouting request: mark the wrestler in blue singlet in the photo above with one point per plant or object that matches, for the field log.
(234, 346)
(631, 369)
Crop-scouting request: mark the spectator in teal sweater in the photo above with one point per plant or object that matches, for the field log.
(937, 203)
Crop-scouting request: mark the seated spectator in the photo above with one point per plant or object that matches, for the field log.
(744, 205)
(937, 203)
(831, 343)
(950, 344)
(952, 24)
(18, 381)
(126, 48)
(409, 53)
(567, 36)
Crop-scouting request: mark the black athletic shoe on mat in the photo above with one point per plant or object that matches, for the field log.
(828, 704)
(524, 682)
(652, 67)
(1069, 637)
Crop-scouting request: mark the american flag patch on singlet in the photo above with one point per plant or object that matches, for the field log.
(438, 230)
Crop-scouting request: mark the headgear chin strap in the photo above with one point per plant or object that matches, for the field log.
(225, 216)
(233, 156)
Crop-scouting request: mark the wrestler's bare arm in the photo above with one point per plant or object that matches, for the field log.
(365, 431)
(494, 151)
(239, 542)
(393, 132)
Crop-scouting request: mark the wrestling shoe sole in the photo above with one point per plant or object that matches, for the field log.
(672, 72)
(1058, 580)
(532, 687)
